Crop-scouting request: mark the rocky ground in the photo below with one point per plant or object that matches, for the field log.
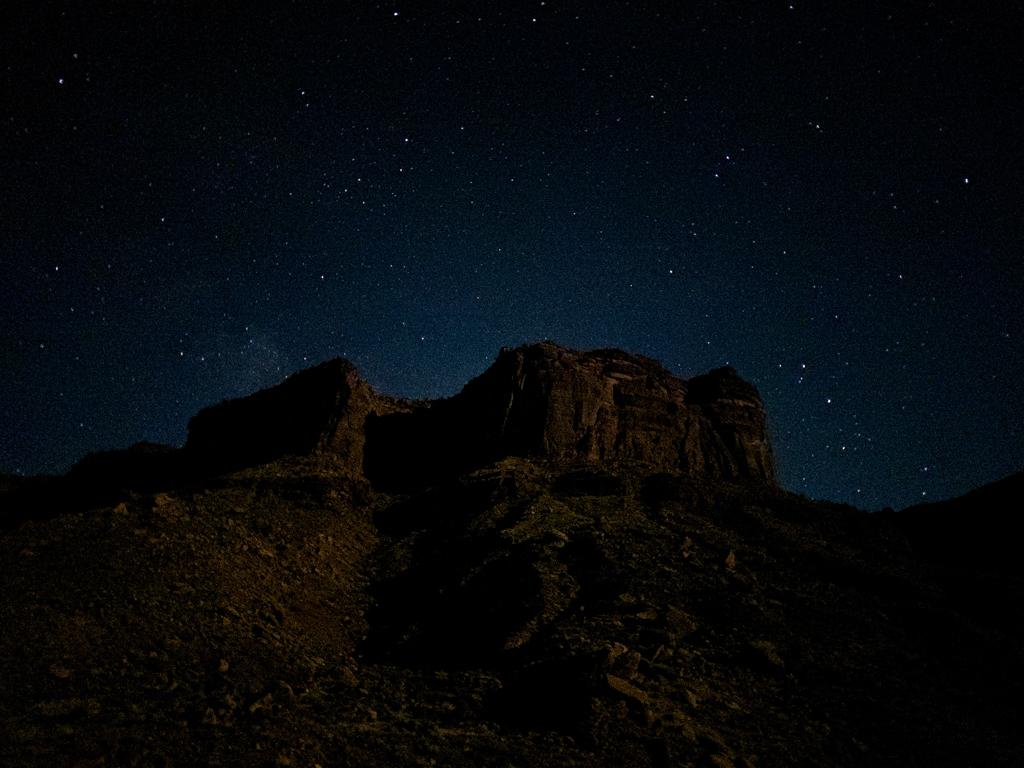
(531, 613)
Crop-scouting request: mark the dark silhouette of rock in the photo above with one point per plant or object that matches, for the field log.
(972, 542)
(144, 468)
(970, 530)
(98, 479)
(319, 410)
(10, 483)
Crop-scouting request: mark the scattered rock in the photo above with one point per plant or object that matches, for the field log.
(680, 622)
(764, 652)
(628, 690)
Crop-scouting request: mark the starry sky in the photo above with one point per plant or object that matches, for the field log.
(197, 201)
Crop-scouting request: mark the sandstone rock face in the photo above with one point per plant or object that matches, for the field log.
(610, 405)
(546, 401)
(541, 401)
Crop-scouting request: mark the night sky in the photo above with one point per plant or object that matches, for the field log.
(196, 203)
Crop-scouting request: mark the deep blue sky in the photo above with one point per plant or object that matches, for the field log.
(196, 203)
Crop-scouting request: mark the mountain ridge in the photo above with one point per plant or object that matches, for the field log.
(539, 400)
(602, 582)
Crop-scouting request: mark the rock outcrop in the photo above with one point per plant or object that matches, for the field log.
(539, 401)
(319, 410)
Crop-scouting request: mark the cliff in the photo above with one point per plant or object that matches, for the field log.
(322, 410)
(541, 401)
(538, 401)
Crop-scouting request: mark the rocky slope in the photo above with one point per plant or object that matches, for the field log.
(591, 566)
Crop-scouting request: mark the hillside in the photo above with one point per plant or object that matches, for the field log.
(546, 569)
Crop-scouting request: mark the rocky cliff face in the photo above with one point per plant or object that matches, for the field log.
(319, 410)
(540, 401)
